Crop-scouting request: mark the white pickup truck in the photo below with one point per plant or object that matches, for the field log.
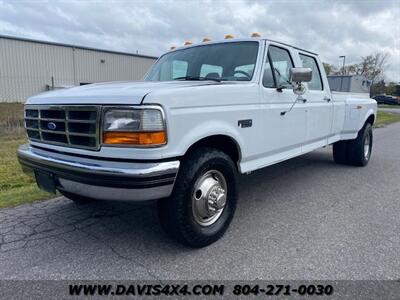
(203, 113)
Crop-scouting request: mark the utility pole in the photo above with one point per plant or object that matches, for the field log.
(341, 79)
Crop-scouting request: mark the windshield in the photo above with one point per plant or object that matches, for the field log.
(218, 62)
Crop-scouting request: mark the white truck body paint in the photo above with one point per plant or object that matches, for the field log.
(198, 109)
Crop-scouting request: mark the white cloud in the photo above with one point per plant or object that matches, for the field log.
(331, 28)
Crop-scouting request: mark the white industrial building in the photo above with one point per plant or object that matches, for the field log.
(349, 83)
(29, 67)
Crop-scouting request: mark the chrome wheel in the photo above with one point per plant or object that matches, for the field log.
(209, 197)
(367, 146)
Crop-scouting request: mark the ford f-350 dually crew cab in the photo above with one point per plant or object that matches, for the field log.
(203, 114)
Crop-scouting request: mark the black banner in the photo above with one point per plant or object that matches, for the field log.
(281, 289)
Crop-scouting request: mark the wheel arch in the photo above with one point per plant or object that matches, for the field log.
(370, 119)
(223, 142)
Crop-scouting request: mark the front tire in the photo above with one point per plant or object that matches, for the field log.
(203, 201)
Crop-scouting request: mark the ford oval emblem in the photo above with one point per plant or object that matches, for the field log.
(51, 126)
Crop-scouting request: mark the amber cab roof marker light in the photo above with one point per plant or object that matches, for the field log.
(206, 39)
(187, 43)
(172, 48)
(228, 36)
(255, 34)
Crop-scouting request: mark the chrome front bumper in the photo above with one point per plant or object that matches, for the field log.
(105, 179)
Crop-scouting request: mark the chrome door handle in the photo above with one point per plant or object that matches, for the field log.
(327, 99)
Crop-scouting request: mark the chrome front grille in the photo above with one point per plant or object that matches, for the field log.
(64, 125)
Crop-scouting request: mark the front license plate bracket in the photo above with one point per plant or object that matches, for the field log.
(46, 181)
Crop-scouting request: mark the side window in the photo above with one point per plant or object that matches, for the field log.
(210, 69)
(310, 62)
(281, 63)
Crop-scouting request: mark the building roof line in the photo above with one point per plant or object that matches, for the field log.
(347, 75)
(9, 37)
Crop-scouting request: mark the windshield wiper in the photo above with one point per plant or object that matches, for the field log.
(196, 78)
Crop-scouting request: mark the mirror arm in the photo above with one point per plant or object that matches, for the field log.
(296, 86)
(285, 112)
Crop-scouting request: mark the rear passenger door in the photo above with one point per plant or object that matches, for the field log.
(319, 106)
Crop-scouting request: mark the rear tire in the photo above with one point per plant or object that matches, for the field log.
(76, 198)
(355, 152)
(359, 151)
(340, 152)
(194, 214)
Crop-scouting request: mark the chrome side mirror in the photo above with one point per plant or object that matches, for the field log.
(297, 77)
(300, 74)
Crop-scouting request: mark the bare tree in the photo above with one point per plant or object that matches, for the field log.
(373, 66)
(351, 69)
(329, 69)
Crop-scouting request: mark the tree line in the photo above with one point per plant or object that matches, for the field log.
(373, 67)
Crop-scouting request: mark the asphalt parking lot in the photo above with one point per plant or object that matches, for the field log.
(306, 218)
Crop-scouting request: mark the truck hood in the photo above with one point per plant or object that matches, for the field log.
(129, 92)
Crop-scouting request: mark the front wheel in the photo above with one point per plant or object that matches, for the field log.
(203, 202)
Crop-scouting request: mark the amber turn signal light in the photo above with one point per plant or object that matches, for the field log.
(155, 138)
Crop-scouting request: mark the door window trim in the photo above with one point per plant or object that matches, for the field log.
(319, 71)
(268, 61)
(272, 65)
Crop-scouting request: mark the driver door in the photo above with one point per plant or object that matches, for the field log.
(284, 134)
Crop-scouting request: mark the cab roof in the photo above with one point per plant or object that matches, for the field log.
(231, 40)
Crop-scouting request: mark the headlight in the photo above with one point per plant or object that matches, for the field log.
(136, 127)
